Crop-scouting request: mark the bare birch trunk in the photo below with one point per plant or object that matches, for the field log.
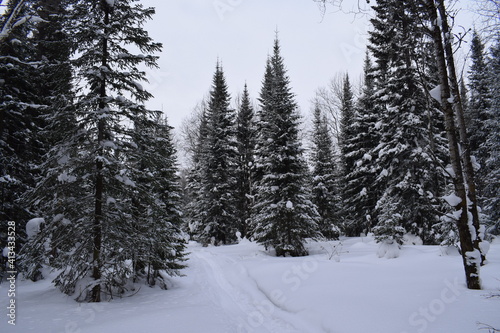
(459, 114)
(468, 244)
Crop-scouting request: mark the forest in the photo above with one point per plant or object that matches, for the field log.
(91, 184)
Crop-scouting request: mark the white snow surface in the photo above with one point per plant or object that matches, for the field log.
(242, 288)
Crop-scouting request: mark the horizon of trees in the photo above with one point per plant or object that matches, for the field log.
(80, 149)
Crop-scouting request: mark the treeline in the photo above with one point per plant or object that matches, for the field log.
(390, 168)
(79, 149)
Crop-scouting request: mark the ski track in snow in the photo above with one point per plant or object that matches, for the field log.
(239, 295)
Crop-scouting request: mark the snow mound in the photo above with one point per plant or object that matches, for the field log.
(388, 249)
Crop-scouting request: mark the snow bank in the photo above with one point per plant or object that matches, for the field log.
(388, 249)
(243, 289)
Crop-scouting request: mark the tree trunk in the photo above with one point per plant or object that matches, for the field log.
(99, 183)
(459, 114)
(467, 240)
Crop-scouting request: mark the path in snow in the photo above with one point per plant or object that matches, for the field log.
(238, 294)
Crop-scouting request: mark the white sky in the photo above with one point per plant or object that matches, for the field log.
(195, 33)
(240, 33)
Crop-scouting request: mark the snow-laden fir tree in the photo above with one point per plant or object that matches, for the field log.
(491, 164)
(359, 195)
(347, 117)
(217, 201)
(92, 175)
(347, 113)
(479, 98)
(19, 125)
(283, 215)
(324, 177)
(193, 211)
(246, 132)
(155, 203)
(479, 118)
(405, 163)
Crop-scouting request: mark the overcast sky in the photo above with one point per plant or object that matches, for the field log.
(195, 33)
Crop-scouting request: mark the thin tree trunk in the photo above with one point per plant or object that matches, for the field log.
(99, 185)
(464, 140)
(467, 243)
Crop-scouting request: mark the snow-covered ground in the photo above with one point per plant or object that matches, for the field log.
(241, 288)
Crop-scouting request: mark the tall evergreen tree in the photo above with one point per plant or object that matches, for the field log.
(194, 191)
(480, 100)
(283, 214)
(245, 135)
(155, 202)
(406, 168)
(218, 181)
(359, 195)
(18, 126)
(324, 177)
(478, 115)
(347, 116)
(92, 174)
(491, 164)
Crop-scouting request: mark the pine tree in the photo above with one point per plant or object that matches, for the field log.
(245, 136)
(91, 175)
(283, 214)
(218, 182)
(324, 177)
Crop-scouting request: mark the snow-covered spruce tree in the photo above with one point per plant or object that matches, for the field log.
(194, 191)
(478, 117)
(53, 89)
(218, 179)
(283, 215)
(347, 113)
(54, 74)
(155, 202)
(19, 109)
(245, 136)
(91, 176)
(479, 100)
(347, 117)
(324, 177)
(491, 164)
(359, 195)
(406, 167)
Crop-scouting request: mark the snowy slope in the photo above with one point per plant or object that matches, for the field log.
(242, 288)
